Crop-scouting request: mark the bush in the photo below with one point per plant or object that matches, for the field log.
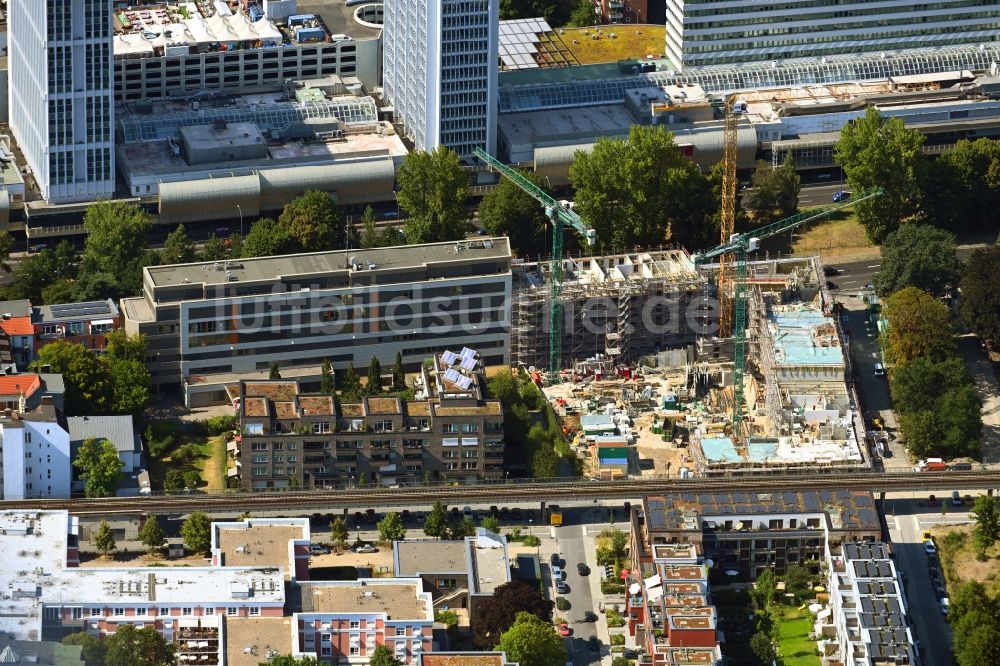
(612, 587)
(531, 541)
(614, 618)
(160, 439)
(219, 425)
(618, 639)
(446, 617)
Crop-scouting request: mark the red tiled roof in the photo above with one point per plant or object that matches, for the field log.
(17, 384)
(17, 326)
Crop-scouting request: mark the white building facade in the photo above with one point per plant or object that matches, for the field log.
(440, 62)
(36, 458)
(61, 95)
(712, 32)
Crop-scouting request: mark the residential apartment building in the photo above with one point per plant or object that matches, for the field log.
(234, 610)
(208, 325)
(17, 328)
(701, 32)
(62, 96)
(35, 454)
(449, 432)
(868, 609)
(439, 71)
(85, 323)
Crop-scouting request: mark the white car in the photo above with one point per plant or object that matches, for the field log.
(945, 606)
(929, 547)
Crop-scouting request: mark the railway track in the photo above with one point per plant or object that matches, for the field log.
(512, 492)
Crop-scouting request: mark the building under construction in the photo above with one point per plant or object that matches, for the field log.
(616, 308)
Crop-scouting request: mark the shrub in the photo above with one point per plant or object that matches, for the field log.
(446, 617)
(614, 618)
(618, 639)
(219, 425)
(531, 541)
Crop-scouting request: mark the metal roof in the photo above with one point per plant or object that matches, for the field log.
(118, 430)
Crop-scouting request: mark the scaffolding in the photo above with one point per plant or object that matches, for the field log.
(616, 308)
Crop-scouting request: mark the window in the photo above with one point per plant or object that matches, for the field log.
(355, 624)
(326, 651)
(355, 651)
(187, 611)
(325, 637)
(140, 611)
(52, 613)
(383, 426)
(320, 427)
(163, 611)
(254, 611)
(449, 428)
(210, 610)
(118, 612)
(232, 610)
(400, 631)
(470, 427)
(77, 613)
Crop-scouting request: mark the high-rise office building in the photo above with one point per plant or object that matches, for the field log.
(439, 63)
(710, 32)
(61, 95)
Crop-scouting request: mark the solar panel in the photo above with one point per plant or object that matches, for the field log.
(468, 353)
(90, 308)
(464, 382)
(448, 357)
(452, 376)
(468, 364)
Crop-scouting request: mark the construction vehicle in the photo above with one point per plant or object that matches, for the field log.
(735, 250)
(561, 214)
(553, 515)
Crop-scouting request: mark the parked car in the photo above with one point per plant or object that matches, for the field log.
(594, 644)
(564, 630)
(879, 370)
(945, 604)
(555, 560)
(318, 549)
(956, 498)
(841, 195)
(631, 654)
(590, 616)
(365, 548)
(561, 587)
(558, 573)
(930, 548)
(582, 569)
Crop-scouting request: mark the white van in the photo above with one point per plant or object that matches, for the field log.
(879, 370)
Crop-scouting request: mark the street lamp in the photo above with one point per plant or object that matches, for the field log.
(240, 209)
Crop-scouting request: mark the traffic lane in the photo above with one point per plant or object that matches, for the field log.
(852, 277)
(572, 551)
(818, 195)
(924, 608)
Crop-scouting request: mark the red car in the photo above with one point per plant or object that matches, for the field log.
(564, 630)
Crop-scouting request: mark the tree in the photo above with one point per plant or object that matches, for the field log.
(338, 531)
(398, 374)
(314, 222)
(125, 357)
(774, 194)
(213, 249)
(173, 480)
(461, 528)
(104, 539)
(980, 645)
(919, 325)
(93, 648)
(326, 382)
(492, 523)
(371, 235)
(878, 152)
(192, 479)
(391, 527)
(499, 611)
(640, 191)
(507, 210)
(266, 239)
(289, 660)
(436, 522)
(151, 535)
(115, 250)
(980, 303)
(374, 385)
(798, 580)
(584, 15)
(37, 273)
(6, 245)
(763, 590)
(99, 466)
(178, 247)
(129, 646)
(919, 384)
(762, 647)
(532, 642)
(362, 480)
(275, 372)
(987, 516)
(961, 189)
(350, 388)
(972, 597)
(383, 656)
(918, 255)
(434, 189)
(89, 386)
(196, 532)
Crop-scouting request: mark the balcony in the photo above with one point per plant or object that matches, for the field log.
(313, 459)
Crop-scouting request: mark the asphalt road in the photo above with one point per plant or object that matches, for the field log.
(574, 547)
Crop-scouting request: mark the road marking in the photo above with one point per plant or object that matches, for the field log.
(848, 282)
(875, 266)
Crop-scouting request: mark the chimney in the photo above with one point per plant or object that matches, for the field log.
(47, 400)
(46, 368)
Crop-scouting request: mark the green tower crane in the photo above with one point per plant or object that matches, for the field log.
(561, 215)
(738, 246)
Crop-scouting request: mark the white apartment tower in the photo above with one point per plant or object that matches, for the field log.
(34, 456)
(439, 63)
(714, 32)
(62, 95)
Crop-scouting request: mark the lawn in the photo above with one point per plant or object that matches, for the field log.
(636, 41)
(840, 236)
(958, 558)
(795, 648)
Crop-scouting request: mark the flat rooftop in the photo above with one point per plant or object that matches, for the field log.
(415, 557)
(489, 562)
(563, 124)
(852, 509)
(803, 335)
(259, 544)
(273, 269)
(250, 640)
(462, 659)
(75, 311)
(396, 599)
(338, 17)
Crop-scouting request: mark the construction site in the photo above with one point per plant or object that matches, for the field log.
(669, 412)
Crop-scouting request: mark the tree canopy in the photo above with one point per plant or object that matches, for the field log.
(289, 660)
(152, 535)
(975, 626)
(391, 527)
(129, 646)
(197, 532)
(532, 642)
(436, 522)
(100, 467)
(919, 384)
(314, 222)
(642, 192)
(881, 152)
(93, 648)
(774, 193)
(434, 190)
(507, 210)
(115, 250)
(919, 325)
(383, 655)
(918, 255)
(267, 238)
(498, 612)
(104, 539)
(961, 188)
(178, 247)
(980, 303)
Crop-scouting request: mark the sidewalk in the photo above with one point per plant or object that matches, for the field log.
(986, 383)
